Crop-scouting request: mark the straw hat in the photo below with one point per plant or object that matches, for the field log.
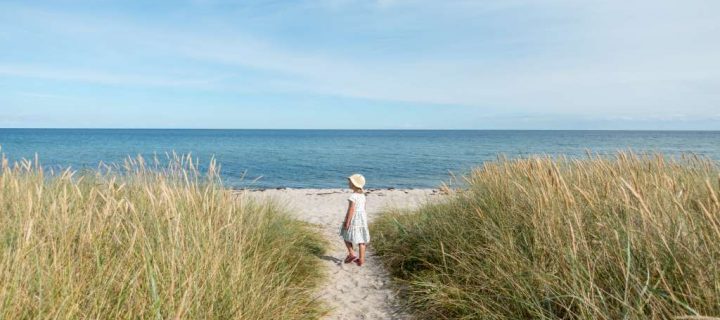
(357, 180)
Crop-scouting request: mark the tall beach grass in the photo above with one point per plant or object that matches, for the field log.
(624, 237)
(145, 240)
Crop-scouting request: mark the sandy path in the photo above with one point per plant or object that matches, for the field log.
(352, 292)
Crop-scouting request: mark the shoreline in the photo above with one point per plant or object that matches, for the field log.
(322, 206)
(338, 190)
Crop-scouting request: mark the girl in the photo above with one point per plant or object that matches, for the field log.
(355, 229)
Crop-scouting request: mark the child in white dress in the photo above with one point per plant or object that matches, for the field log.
(355, 228)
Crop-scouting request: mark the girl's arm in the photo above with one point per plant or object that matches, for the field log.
(349, 215)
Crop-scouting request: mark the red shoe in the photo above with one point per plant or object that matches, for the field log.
(359, 263)
(350, 258)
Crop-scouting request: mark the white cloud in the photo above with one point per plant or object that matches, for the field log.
(615, 58)
(97, 77)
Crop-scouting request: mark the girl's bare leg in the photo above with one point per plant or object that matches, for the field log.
(350, 250)
(362, 252)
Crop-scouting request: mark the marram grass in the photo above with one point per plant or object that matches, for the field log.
(629, 237)
(133, 242)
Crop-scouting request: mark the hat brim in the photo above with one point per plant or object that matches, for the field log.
(354, 183)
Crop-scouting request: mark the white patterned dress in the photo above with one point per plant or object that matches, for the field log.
(358, 231)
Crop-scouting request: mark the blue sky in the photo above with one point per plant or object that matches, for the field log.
(494, 64)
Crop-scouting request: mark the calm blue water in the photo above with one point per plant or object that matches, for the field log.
(321, 159)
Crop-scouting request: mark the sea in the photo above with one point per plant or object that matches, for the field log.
(324, 158)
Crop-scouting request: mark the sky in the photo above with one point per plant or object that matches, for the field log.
(371, 64)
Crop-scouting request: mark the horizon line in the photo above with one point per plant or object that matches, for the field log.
(339, 129)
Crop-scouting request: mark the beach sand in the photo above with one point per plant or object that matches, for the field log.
(351, 292)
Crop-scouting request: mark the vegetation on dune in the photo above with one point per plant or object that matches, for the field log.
(626, 237)
(137, 242)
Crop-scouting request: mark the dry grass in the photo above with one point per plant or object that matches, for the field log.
(148, 241)
(628, 237)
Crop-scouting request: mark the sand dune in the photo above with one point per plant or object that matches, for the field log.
(352, 292)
